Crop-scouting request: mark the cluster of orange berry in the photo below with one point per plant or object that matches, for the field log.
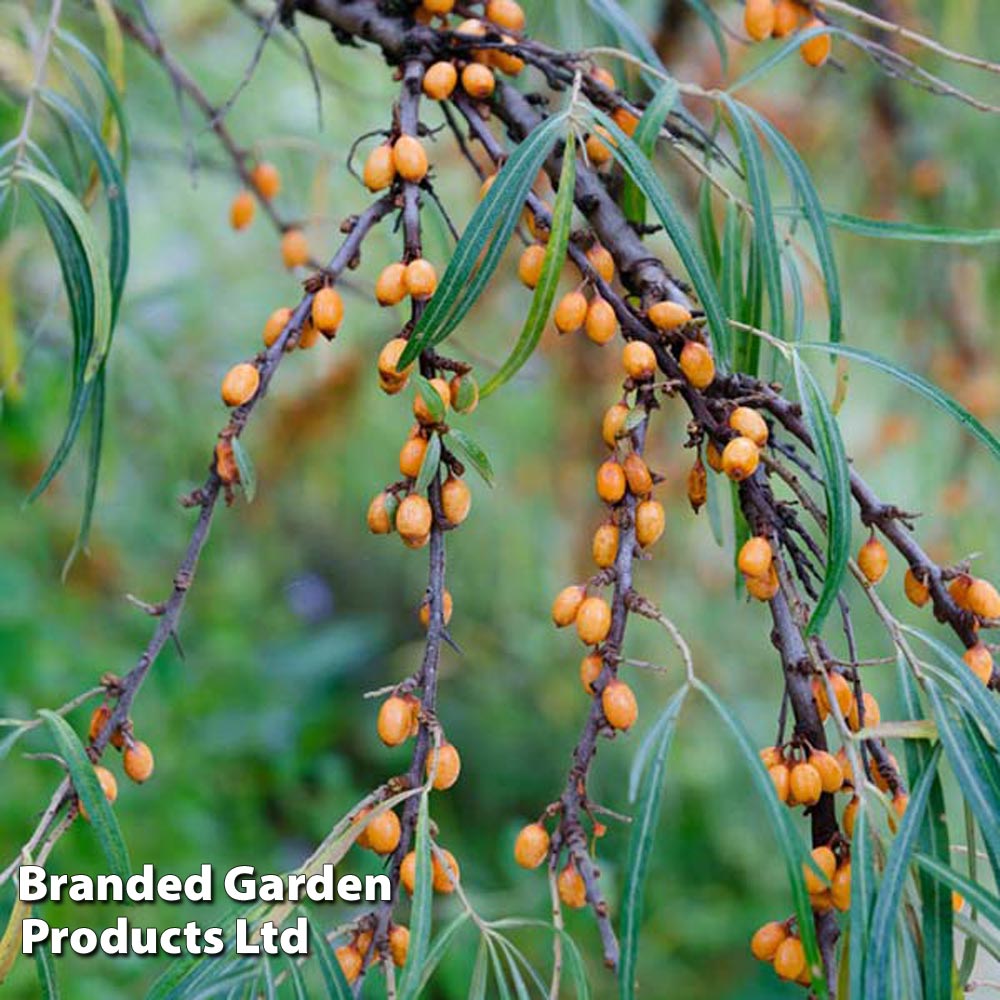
(740, 456)
(779, 18)
(137, 758)
(351, 956)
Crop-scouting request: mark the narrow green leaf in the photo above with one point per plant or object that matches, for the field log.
(48, 984)
(731, 264)
(630, 36)
(7, 743)
(498, 973)
(645, 136)
(296, 978)
(862, 898)
(335, 984)
(440, 948)
(87, 787)
(457, 438)
(430, 397)
(429, 466)
(910, 231)
(420, 910)
(919, 384)
(979, 897)
(548, 281)
(707, 235)
(480, 972)
(714, 25)
(511, 954)
(982, 935)
(572, 955)
(829, 449)
(786, 50)
(245, 467)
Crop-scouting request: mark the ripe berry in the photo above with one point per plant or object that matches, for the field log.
(713, 456)
(840, 887)
(383, 832)
(507, 62)
(790, 959)
(390, 287)
(380, 168)
(638, 360)
(410, 159)
(815, 51)
(805, 784)
(766, 940)
(605, 545)
(755, 556)
(619, 704)
(781, 779)
(900, 802)
(240, 384)
(532, 845)
(421, 278)
(446, 765)
(411, 456)
(830, 774)
(327, 311)
(650, 520)
(849, 816)
(478, 81)
(667, 315)
(625, 120)
(959, 591)
(225, 466)
(957, 901)
(571, 312)
(266, 179)
(758, 19)
(749, 423)
(447, 607)
(980, 661)
(598, 152)
(610, 481)
(697, 485)
(408, 872)
(440, 80)
(275, 325)
(438, 6)
(463, 391)
(841, 691)
(763, 588)
(873, 560)
(108, 785)
(613, 423)
(529, 267)
(770, 756)
(567, 604)
(602, 262)
(637, 474)
(379, 518)
(593, 620)
(572, 890)
(391, 380)
(787, 14)
(590, 669)
(444, 873)
(983, 599)
(350, 962)
(505, 13)
(241, 210)
(916, 591)
(601, 324)
(399, 944)
(294, 249)
(414, 518)
(308, 334)
(603, 77)
(395, 720)
(697, 364)
(138, 762)
(98, 720)
(455, 500)
(740, 458)
(826, 861)
(873, 714)
(486, 185)
(420, 409)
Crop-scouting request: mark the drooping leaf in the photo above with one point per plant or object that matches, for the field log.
(48, 984)
(480, 461)
(884, 229)
(439, 949)
(645, 136)
(706, 231)
(788, 48)
(862, 898)
(574, 959)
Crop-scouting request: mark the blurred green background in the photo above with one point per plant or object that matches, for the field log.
(261, 734)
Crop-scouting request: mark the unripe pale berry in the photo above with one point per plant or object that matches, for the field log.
(601, 324)
(379, 519)
(815, 51)
(593, 620)
(446, 765)
(380, 168)
(532, 845)
(411, 456)
(350, 962)
(421, 278)
(399, 944)
(571, 312)
(637, 474)
(138, 762)
(790, 959)
(605, 545)
(667, 315)
(275, 325)
(749, 423)
(755, 556)
(830, 774)
(327, 310)
(242, 209)
(390, 287)
(440, 80)
(294, 249)
(610, 481)
(613, 423)
(917, 592)
(697, 364)
(805, 784)
(572, 890)
(826, 861)
(766, 940)
(240, 384)
(983, 599)
(758, 19)
(420, 408)
(650, 520)
(266, 179)
(590, 669)
(505, 13)
(444, 873)
(740, 458)
(455, 500)
(602, 262)
(383, 832)
(478, 81)
(638, 360)
(619, 705)
(447, 607)
(529, 266)
(980, 661)
(567, 604)
(873, 560)
(414, 518)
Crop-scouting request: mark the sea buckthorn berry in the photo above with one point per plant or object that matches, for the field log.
(138, 762)
(420, 408)
(758, 19)
(980, 661)
(598, 150)
(390, 286)
(464, 393)
(667, 315)
(771, 755)
(108, 785)
(410, 158)
(478, 81)
(766, 940)
(241, 210)
(266, 179)
(815, 51)
(414, 518)
(820, 902)
(840, 887)
(537, 225)
(610, 481)
(308, 334)
(713, 456)
(763, 588)
(567, 604)
(900, 802)
(226, 467)
(408, 872)
(572, 890)
(327, 310)
(789, 959)
(787, 14)
(826, 862)
(350, 961)
(625, 120)
(638, 360)
(411, 456)
(395, 719)
(529, 267)
(959, 590)
(440, 80)
(849, 816)
(619, 704)
(872, 712)
(240, 384)
(388, 359)
(637, 474)
(917, 592)
(879, 778)
(957, 900)
(275, 325)
(486, 185)
(507, 62)
(749, 423)
(601, 324)
(438, 6)
(780, 778)
(448, 606)
(590, 669)
(613, 423)
(98, 718)
(379, 517)
(697, 364)
(571, 312)
(383, 832)
(755, 556)
(294, 248)
(650, 520)
(399, 944)
(380, 168)
(845, 765)
(841, 691)
(505, 13)
(603, 77)
(830, 774)
(873, 560)
(444, 873)
(983, 599)
(593, 620)
(697, 485)
(602, 262)
(455, 499)
(605, 545)
(532, 845)
(421, 278)
(805, 784)
(819, 696)
(446, 765)
(740, 458)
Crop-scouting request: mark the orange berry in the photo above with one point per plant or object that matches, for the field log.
(108, 785)
(638, 360)
(755, 556)
(873, 714)
(410, 158)
(414, 518)
(667, 315)
(815, 51)
(841, 691)
(445, 874)
(507, 62)
(572, 890)
(240, 384)
(455, 500)
(749, 423)
(650, 520)
(980, 661)
(805, 784)
(420, 409)
(637, 474)
(957, 901)
(380, 168)
(918, 593)
(598, 151)
(605, 545)
(138, 762)
(411, 456)
(408, 872)
(900, 802)
(758, 19)
(532, 845)
(447, 606)
(440, 80)
(506, 14)
(308, 334)
(590, 669)
(602, 262)
(826, 861)
(830, 774)
(713, 456)
(571, 312)
(566, 606)
(603, 77)
(529, 267)
(766, 940)
(478, 81)
(697, 364)
(610, 481)
(350, 962)
(601, 324)
(840, 887)
(242, 209)
(593, 620)
(959, 590)
(229, 472)
(383, 832)
(446, 765)
(399, 944)
(613, 423)
(395, 718)
(98, 720)
(697, 485)
(763, 588)
(787, 14)
(275, 325)
(625, 120)
(619, 704)
(294, 249)
(379, 519)
(327, 311)
(983, 599)
(266, 179)
(780, 778)
(873, 560)
(390, 287)
(849, 816)
(740, 458)
(420, 278)
(438, 6)
(790, 959)
(770, 756)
